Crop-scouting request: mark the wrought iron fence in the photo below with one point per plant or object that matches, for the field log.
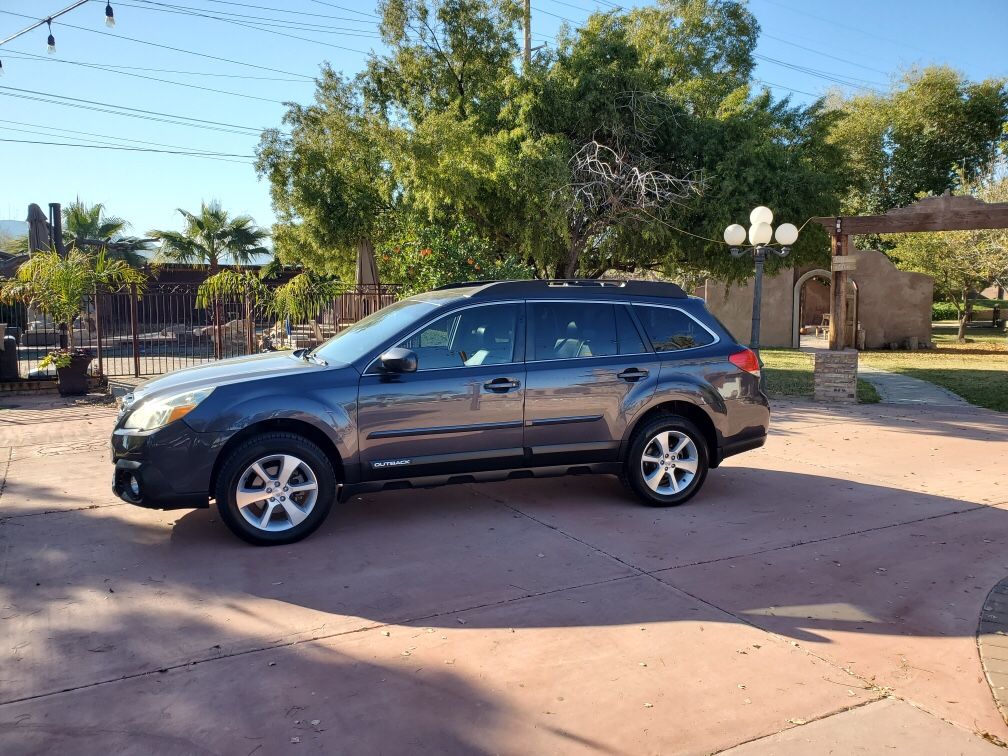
(164, 329)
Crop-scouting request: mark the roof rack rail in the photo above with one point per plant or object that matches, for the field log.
(569, 287)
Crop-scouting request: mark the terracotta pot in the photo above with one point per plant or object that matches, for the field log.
(73, 379)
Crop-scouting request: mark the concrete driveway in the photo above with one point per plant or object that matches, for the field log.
(821, 593)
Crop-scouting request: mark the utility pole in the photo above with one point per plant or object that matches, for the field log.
(527, 59)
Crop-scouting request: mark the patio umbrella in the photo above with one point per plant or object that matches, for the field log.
(367, 268)
(39, 238)
(367, 278)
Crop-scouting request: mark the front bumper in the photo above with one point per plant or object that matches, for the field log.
(169, 468)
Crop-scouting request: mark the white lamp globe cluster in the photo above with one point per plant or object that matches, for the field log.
(760, 230)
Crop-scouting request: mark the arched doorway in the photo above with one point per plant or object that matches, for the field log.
(807, 310)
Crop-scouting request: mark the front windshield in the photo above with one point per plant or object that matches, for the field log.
(367, 334)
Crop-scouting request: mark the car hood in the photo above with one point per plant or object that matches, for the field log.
(224, 372)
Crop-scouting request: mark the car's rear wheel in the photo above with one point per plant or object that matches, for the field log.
(275, 488)
(667, 461)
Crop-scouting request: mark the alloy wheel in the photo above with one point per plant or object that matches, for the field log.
(669, 462)
(277, 492)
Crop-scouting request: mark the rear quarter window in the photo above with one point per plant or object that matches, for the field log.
(670, 330)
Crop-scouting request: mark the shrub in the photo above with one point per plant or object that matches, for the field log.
(944, 311)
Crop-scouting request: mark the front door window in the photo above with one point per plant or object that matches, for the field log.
(469, 338)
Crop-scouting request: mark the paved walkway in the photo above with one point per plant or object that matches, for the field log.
(821, 593)
(895, 388)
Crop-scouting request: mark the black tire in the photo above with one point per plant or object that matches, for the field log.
(634, 470)
(236, 466)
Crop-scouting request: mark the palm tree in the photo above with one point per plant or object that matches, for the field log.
(210, 237)
(206, 240)
(86, 224)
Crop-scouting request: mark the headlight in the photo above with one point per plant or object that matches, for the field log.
(156, 413)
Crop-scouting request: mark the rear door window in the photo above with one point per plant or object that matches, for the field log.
(670, 330)
(569, 330)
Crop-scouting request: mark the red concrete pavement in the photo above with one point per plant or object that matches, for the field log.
(840, 569)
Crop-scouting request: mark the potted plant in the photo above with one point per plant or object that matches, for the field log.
(56, 286)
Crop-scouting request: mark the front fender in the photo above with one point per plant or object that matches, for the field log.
(330, 409)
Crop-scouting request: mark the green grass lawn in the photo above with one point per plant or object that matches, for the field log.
(977, 370)
(789, 373)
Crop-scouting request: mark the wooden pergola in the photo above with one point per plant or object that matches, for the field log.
(944, 213)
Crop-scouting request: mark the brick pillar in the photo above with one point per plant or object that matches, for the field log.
(835, 377)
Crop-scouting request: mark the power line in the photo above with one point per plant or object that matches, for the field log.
(173, 49)
(788, 89)
(824, 54)
(331, 5)
(104, 143)
(106, 138)
(556, 15)
(106, 147)
(250, 26)
(187, 85)
(834, 22)
(255, 77)
(147, 115)
(248, 17)
(44, 20)
(837, 79)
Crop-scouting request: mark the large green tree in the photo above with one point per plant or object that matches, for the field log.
(960, 262)
(635, 131)
(932, 131)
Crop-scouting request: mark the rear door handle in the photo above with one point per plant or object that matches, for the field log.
(632, 375)
(501, 385)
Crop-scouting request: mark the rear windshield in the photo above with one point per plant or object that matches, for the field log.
(367, 334)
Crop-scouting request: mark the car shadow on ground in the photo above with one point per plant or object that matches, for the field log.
(121, 591)
(417, 555)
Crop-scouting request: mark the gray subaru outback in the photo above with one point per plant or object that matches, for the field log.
(468, 383)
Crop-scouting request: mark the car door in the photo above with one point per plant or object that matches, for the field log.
(461, 411)
(588, 372)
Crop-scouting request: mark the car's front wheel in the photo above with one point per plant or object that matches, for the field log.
(667, 461)
(275, 488)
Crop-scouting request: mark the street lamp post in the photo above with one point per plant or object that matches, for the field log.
(760, 234)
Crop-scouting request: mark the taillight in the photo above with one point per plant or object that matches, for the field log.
(746, 360)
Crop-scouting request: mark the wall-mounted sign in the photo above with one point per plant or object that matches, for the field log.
(844, 262)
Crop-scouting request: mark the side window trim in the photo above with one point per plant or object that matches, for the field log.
(518, 347)
(714, 336)
(641, 333)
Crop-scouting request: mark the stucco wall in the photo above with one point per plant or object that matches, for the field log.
(892, 304)
(734, 308)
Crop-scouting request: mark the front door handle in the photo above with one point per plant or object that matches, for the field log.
(632, 375)
(501, 385)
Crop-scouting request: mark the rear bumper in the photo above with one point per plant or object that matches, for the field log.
(167, 469)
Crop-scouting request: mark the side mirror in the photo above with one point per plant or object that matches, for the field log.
(399, 360)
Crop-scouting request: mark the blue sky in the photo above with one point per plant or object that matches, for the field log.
(861, 42)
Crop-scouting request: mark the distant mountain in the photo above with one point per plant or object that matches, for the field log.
(13, 228)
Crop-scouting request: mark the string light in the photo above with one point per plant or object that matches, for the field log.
(51, 40)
